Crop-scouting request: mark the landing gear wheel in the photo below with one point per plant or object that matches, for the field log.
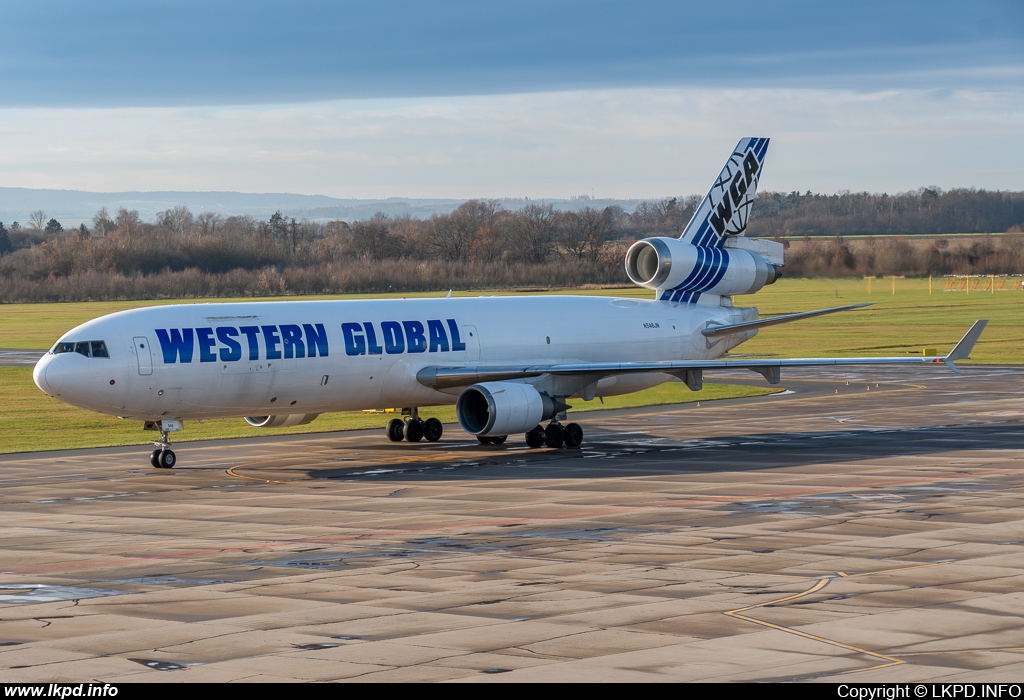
(396, 430)
(535, 438)
(414, 430)
(167, 460)
(573, 435)
(554, 435)
(154, 459)
(492, 439)
(432, 429)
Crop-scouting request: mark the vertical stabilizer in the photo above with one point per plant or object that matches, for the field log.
(726, 207)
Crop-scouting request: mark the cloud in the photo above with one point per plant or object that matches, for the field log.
(202, 52)
(641, 142)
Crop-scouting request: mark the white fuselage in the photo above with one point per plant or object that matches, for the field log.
(196, 361)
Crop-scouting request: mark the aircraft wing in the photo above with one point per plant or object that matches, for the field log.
(688, 370)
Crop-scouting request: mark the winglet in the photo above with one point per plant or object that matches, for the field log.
(962, 351)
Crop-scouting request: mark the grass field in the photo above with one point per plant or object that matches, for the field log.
(900, 323)
(897, 324)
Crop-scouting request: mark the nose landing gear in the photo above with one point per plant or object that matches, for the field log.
(163, 457)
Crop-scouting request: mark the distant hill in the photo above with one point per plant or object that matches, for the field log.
(71, 207)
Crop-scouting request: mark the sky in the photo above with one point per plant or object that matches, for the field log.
(508, 99)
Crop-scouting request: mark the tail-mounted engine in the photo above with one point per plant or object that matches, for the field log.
(672, 266)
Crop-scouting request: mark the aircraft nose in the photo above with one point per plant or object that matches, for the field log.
(48, 375)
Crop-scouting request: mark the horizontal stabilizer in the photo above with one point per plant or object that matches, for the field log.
(718, 331)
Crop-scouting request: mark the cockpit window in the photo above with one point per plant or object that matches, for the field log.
(89, 348)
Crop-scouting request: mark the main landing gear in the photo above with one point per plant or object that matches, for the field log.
(556, 435)
(414, 429)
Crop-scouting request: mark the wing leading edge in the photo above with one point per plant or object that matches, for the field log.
(688, 370)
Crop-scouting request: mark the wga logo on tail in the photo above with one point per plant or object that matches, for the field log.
(732, 195)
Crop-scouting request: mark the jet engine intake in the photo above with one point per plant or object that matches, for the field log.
(285, 421)
(502, 408)
(672, 264)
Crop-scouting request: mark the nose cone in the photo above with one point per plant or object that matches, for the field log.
(95, 383)
(48, 376)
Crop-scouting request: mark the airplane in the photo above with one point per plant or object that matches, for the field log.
(509, 364)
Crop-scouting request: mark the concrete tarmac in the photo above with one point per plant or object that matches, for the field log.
(20, 358)
(863, 527)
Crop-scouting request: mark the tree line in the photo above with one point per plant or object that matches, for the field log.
(478, 245)
(923, 211)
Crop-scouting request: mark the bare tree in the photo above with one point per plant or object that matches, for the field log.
(128, 222)
(244, 226)
(208, 222)
(583, 234)
(531, 233)
(373, 239)
(178, 220)
(335, 228)
(678, 212)
(102, 223)
(490, 242)
(482, 211)
(451, 234)
(37, 219)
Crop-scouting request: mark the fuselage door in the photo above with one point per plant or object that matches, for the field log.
(471, 339)
(142, 354)
(675, 330)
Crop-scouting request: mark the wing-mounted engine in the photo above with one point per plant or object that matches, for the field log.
(503, 408)
(679, 270)
(284, 421)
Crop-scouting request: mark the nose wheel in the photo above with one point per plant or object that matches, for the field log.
(163, 459)
(163, 456)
